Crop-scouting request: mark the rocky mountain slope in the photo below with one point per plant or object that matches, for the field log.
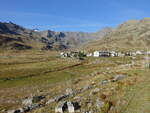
(13, 36)
(132, 34)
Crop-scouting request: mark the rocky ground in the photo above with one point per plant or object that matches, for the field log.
(101, 85)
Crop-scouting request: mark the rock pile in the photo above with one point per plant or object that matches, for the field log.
(67, 106)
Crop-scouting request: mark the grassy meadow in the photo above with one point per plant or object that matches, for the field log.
(27, 73)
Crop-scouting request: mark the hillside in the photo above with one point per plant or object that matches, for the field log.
(13, 36)
(132, 34)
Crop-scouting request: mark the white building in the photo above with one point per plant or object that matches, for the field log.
(139, 52)
(148, 52)
(113, 53)
(89, 55)
(96, 54)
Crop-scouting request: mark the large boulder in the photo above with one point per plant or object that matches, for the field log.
(71, 108)
(61, 107)
(67, 106)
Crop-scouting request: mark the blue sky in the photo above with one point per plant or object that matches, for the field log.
(72, 15)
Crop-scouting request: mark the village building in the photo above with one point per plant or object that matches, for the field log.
(96, 54)
(120, 54)
(89, 54)
(104, 53)
(138, 52)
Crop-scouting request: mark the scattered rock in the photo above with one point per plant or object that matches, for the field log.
(99, 103)
(93, 92)
(60, 97)
(86, 87)
(69, 91)
(33, 106)
(78, 98)
(20, 110)
(119, 77)
(88, 112)
(50, 101)
(70, 107)
(64, 106)
(31, 100)
(61, 107)
(11, 111)
(27, 101)
(76, 105)
(104, 82)
(37, 98)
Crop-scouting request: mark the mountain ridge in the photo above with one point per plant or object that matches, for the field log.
(130, 35)
(47, 40)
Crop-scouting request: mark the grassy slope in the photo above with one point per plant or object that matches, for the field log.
(16, 65)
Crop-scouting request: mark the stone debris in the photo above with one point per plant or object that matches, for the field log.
(61, 107)
(99, 103)
(94, 91)
(20, 110)
(67, 106)
(71, 108)
(119, 77)
(60, 97)
(69, 91)
(50, 101)
(27, 101)
(87, 87)
(26, 108)
(11, 111)
(88, 112)
(78, 98)
(37, 98)
(104, 82)
(31, 100)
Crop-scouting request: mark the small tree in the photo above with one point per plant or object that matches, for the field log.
(81, 55)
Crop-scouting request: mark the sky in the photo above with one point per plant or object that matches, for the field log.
(72, 15)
